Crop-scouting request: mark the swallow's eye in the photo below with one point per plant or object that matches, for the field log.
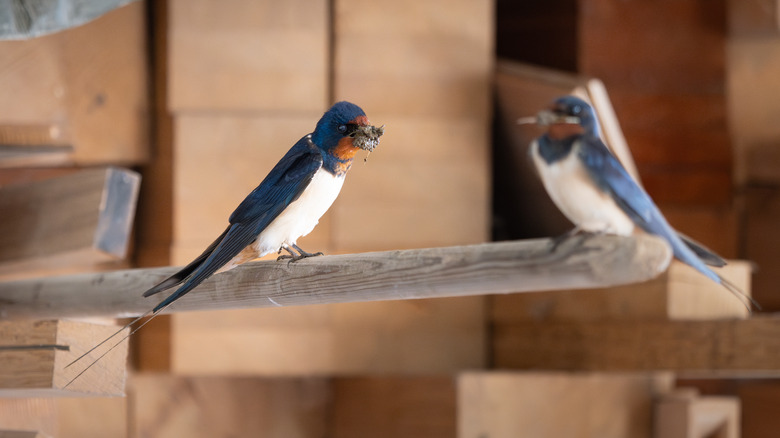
(342, 128)
(576, 109)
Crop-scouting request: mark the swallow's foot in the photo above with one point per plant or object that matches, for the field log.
(558, 240)
(293, 256)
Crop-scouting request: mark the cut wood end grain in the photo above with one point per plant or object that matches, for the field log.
(34, 355)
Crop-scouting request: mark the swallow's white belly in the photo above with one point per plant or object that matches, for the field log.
(573, 191)
(300, 217)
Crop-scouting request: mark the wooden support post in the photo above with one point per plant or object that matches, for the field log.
(506, 267)
(33, 357)
(548, 405)
(67, 223)
(723, 347)
(683, 414)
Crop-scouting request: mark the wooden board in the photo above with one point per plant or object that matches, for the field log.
(34, 356)
(418, 59)
(702, 348)
(164, 405)
(753, 66)
(504, 267)
(539, 404)
(762, 242)
(681, 87)
(756, 17)
(413, 195)
(392, 406)
(247, 55)
(680, 293)
(66, 417)
(424, 70)
(68, 223)
(685, 414)
(418, 336)
(79, 96)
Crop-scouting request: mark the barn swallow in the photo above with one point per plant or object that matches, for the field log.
(286, 205)
(596, 193)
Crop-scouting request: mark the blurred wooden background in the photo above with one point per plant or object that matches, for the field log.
(201, 98)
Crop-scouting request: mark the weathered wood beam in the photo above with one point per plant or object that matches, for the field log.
(728, 347)
(491, 268)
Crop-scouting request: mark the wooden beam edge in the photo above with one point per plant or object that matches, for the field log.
(490, 268)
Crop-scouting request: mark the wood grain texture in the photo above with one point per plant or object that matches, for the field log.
(66, 417)
(164, 405)
(34, 355)
(443, 335)
(393, 406)
(680, 293)
(551, 405)
(684, 414)
(673, 104)
(76, 220)
(85, 88)
(419, 59)
(518, 266)
(725, 347)
(248, 55)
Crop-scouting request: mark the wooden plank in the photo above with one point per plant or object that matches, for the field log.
(21, 434)
(254, 55)
(164, 405)
(682, 87)
(506, 267)
(684, 414)
(541, 404)
(722, 347)
(753, 65)
(79, 96)
(67, 223)
(762, 242)
(407, 57)
(416, 336)
(66, 417)
(386, 192)
(33, 357)
(680, 293)
(755, 17)
(384, 407)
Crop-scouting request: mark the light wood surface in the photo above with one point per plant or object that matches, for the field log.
(34, 355)
(506, 267)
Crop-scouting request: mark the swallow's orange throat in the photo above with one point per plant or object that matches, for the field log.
(560, 131)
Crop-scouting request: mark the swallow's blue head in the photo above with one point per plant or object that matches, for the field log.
(346, 124)
(342, 131)
(571, 109)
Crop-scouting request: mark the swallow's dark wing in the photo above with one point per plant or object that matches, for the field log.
(705, 254)
(612, 177)
(283, 185)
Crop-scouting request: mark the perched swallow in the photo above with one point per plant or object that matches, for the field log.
(595, 192)
(286, 205)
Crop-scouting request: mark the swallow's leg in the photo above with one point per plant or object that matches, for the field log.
(293, 257)
(558, 240)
